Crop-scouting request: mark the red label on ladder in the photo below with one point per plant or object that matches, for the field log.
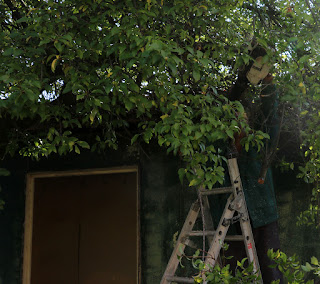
(250, 246)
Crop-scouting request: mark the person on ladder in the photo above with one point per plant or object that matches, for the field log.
(256, 178)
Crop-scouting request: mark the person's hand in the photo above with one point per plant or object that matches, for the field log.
(268, 79)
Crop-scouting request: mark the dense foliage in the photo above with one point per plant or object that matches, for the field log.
(84, 74)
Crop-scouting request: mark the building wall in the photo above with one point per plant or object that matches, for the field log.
(293, 197)
(164, 205)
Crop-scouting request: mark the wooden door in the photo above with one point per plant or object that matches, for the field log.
(85, 230)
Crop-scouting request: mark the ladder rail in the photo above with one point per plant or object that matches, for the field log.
(220, 234)
(181, 244)
(245, 221)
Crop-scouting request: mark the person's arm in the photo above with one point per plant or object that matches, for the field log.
(269, 106)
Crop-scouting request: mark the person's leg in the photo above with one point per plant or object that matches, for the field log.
(267, 237)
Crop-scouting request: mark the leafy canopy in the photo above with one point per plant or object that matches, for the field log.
(81, 74)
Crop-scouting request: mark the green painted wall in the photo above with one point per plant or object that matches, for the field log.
(293, 196)
(164, 205)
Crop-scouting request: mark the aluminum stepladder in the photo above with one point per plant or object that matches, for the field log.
(235, 204)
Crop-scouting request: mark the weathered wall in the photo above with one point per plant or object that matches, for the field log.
(293, 197)
(164, 205)
(11, 225)
(162, 201)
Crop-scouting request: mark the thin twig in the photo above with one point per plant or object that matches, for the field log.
(313, 14)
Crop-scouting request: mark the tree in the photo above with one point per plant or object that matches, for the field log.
(81, 74)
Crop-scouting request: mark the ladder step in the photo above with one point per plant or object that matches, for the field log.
(211, 233)
(234, 238)
(219, 190)
(200, 233)
(180, 279)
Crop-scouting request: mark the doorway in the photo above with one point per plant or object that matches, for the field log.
(85, 228)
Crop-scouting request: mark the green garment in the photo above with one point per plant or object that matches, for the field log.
(260, 198)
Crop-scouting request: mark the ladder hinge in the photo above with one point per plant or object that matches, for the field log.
(228, 222)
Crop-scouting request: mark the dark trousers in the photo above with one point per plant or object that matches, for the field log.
(267, 237)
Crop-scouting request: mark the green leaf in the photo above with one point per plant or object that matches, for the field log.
(67, 88)
(30, 94)
(51, 56)
(9, 51)
(37, 84)
(58, 46)
(173, 68)
(164, 116)
(161, 140)
(5, 78)
(4, 172)
(307, 267)
(76, 149)
(83, 144)
(156, 45)
(197, 135)
(229, 133)
(147, 135)
(314, 261)
(134, 138)
(93, 114)
(196, 75)
(181, 173)
(191, 50)
(67, 37)
(22, 20)
(80, 53)
(134, 87)
(44, 41)
(54, 64)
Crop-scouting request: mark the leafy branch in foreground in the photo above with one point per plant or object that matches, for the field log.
(243, 274)
(292, 270)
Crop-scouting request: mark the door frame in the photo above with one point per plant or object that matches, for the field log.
(29, 204)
